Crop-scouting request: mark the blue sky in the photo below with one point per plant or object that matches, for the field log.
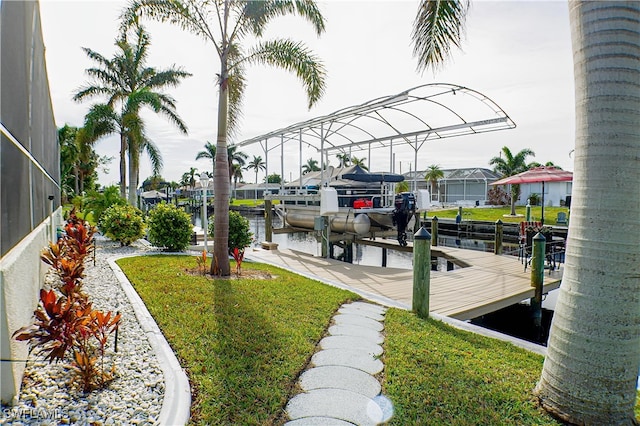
(518, 53)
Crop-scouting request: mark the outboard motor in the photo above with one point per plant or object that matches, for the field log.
(404, 209)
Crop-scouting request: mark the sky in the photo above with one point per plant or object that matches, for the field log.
(518, 53)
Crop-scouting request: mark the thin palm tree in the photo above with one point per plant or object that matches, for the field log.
(256, 165)
(209, 153)
(237, 175)
(359, 162)
(227, 25)
(590, 371)
(343, 160)
(129, 85)
(235, 157)
(310, 166)
(433, 175)
(511, 165)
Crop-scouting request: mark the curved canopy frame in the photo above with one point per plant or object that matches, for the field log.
(412, 117)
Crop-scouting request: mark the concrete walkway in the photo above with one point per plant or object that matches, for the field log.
(340, 386)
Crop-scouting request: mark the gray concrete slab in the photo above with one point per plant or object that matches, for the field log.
(351, 319)
(370, 307)
(318, 421)
(348, 358)
(337, 403)
(347, 309)
(355, 330)
(351, 342)
(338, 377)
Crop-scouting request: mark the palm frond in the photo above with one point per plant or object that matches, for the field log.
(439, 24)
(294, 57)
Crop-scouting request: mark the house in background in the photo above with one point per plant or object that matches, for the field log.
(555, 193)
(29, 181)
(468, 186)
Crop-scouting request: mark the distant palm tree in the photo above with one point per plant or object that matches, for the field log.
(310, 166)
(343, 160)
(433, 175)
(511, 165)
(128, 84)
(359, 162)
(256, 165)
(235, 157)
(210, 153)
(547, 164)
(237, 175)
(227, 25)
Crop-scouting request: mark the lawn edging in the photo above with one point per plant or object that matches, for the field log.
(176, 405)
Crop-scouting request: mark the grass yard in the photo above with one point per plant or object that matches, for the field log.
(438, 375)
(492, 214)
(242, 341)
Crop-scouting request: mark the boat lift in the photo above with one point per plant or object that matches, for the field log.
(409, 118)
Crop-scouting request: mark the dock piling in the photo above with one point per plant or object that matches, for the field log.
(537, 280)
(434, 231)
(268, 221)
(421, 272)
(498, 238)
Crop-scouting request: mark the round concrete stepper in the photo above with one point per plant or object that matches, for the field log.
(357, 331)
(351, 342)
(347, 309)
(336, 403)
(338, 377)
(353, 358)
(369, 307)
(318, 421)
(351, 319)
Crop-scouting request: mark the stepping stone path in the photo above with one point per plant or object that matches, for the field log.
(339, 388)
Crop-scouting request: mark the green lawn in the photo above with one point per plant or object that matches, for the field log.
(492, 214)
(244, 342)
(438, 375)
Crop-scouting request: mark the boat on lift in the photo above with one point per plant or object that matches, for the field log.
(366, 202)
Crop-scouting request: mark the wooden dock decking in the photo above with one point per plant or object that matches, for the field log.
(490, 283)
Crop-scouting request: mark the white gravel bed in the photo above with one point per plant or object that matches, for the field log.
(50, 393)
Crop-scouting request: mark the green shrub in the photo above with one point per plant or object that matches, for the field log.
(240, 235)
(98, 202)
(169, 227)
(124, 224)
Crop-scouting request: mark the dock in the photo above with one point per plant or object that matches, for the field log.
(488, 283)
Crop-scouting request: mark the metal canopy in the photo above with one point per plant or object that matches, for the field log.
(430, 111)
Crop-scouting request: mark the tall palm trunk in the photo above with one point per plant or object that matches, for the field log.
(123, 165)
(590, 372)
(221, 182)
(133, 176)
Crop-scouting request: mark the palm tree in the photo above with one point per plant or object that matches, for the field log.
(433, 174)
(210, 153)
(343, 160)
(590, 371)
(310, 166)
(359, 162)
(256, 165)
(227, 25)
(237, 175)
(235, 157)
(129, 85)
(511, 165)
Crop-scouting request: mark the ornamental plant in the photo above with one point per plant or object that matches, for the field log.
(240, 236)
(169, 227)
(65, 320)
(124, 224)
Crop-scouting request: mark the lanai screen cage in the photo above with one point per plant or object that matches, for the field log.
(407, 119)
